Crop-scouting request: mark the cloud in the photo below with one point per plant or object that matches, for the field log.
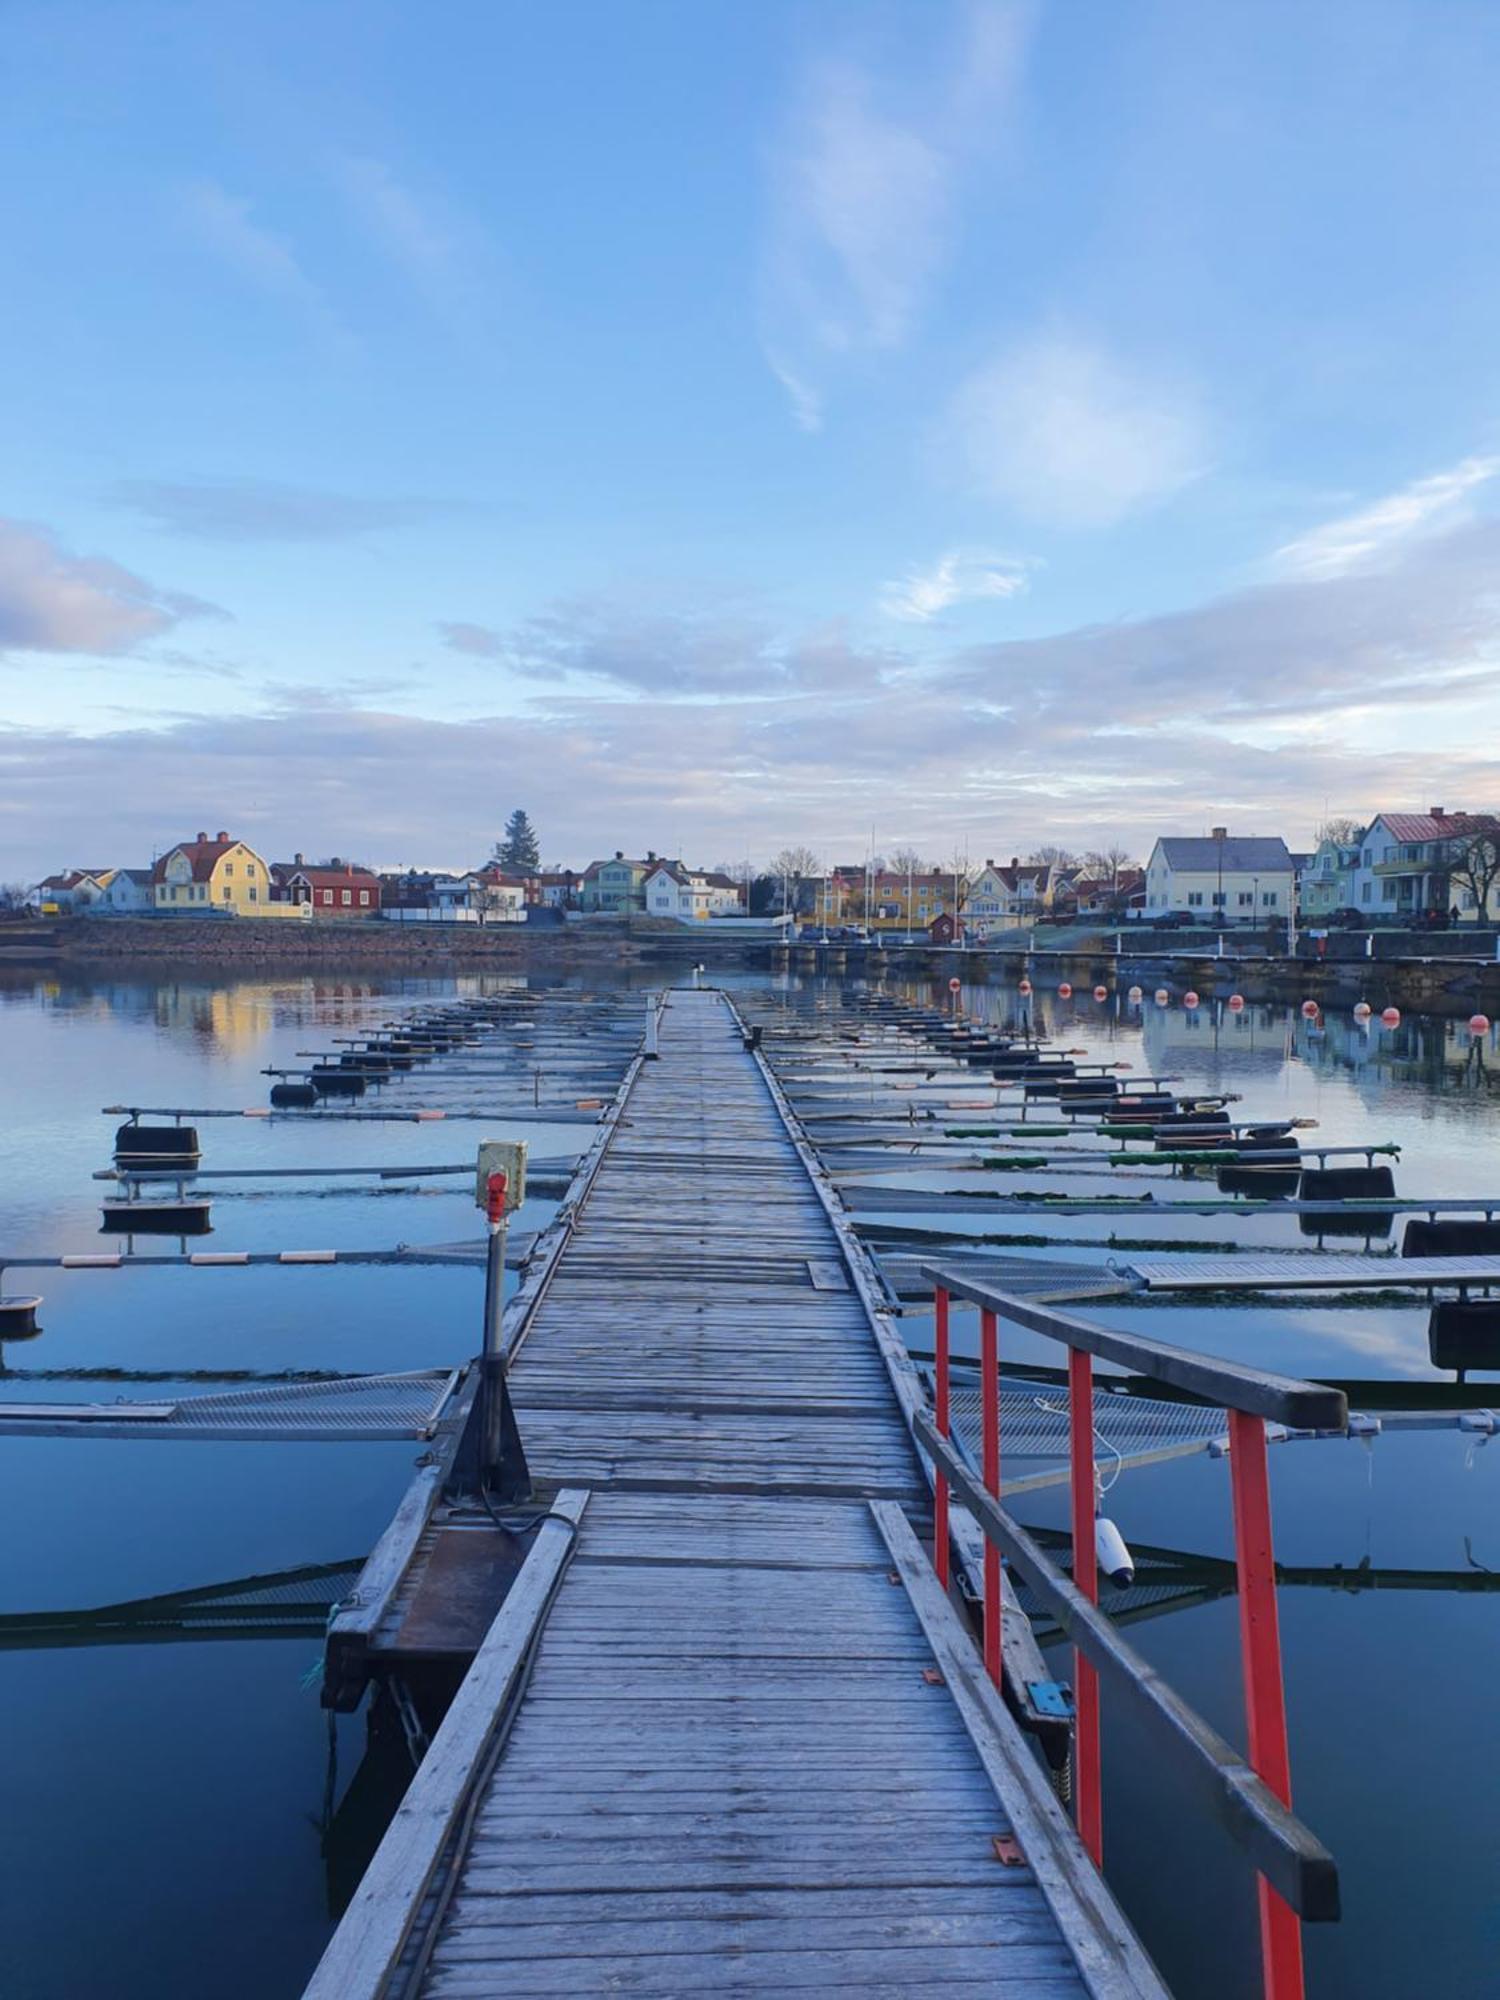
(435, 251)
(1063, 432)
(862, 195)
(255, 510)
(54, 602)
(715, 652)
(711, 729)
(1360, 539)
(477, 640)
(959, 577)
(225, 226)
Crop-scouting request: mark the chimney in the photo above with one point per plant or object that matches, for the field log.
(619, 854)
(297, 861)
(221, 834)
(1438, 812)
(1015, 861)
(201, 835)
(1218, 833)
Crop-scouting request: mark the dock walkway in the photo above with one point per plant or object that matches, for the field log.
(726, 1733)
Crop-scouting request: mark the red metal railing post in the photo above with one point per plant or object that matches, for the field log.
(940, 1487)
(1265, 1694)
(1090, 1810)
(989, 1404)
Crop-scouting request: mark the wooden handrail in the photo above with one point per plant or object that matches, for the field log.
(1280, 1399)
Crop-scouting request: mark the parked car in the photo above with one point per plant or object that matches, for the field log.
(1179, 920)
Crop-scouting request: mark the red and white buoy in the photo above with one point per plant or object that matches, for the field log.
(1236, 1003)
(1391, 1017)
(1101, 992)
(1190, 999)
(1064, 991)
(1310, 1010)
(1479, 1024)
(1024, 989)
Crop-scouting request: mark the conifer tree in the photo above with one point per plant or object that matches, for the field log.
(520, 852)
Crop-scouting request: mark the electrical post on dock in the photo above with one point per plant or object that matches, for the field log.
(500, 1188)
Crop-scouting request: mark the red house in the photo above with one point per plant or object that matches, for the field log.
(333, 889)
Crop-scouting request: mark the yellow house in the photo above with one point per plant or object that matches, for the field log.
(219, 874)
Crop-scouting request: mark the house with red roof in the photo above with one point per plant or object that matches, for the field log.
(1407, 863)
(220, 875)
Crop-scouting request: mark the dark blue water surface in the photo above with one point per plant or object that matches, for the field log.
(162, 1826)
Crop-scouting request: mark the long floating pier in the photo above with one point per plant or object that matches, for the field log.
(726, 1732)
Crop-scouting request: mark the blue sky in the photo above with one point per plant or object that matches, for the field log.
(715, 426)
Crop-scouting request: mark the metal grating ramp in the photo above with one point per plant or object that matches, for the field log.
(351, 1409)
(1128, 1431)
(1309, 1270)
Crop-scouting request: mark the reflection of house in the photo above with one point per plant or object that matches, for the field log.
(1221, 879)
(74, 888)
(330, 889)
(219, 874)
(674, 891)
(131, 891)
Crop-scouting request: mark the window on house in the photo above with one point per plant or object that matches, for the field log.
(228, 895)
(1388, 892)
(345, 898)
(1195, 899)
(254, 893)
(364, 895)
(1246, 899)
(228, 867)
(1218, 899)
(1268, 899)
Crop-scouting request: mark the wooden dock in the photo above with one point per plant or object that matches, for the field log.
(726, 1734)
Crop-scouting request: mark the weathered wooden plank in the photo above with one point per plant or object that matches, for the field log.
(368, 1942)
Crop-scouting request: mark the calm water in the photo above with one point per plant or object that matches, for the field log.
(164, 1801)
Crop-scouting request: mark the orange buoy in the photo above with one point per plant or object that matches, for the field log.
(1391, 1018)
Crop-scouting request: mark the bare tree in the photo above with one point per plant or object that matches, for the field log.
(1055, 857)
(1340, 829)
(792, 867)
(1474, 862)
(907, 861)
(1108, 863)
(796, 863)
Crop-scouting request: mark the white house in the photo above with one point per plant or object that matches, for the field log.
(1220, 879)
(675, 891)
(1016, 894)
(73, 889)
(1405, 862)
(130, 893)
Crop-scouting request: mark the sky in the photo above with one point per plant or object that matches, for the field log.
(960, 424)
